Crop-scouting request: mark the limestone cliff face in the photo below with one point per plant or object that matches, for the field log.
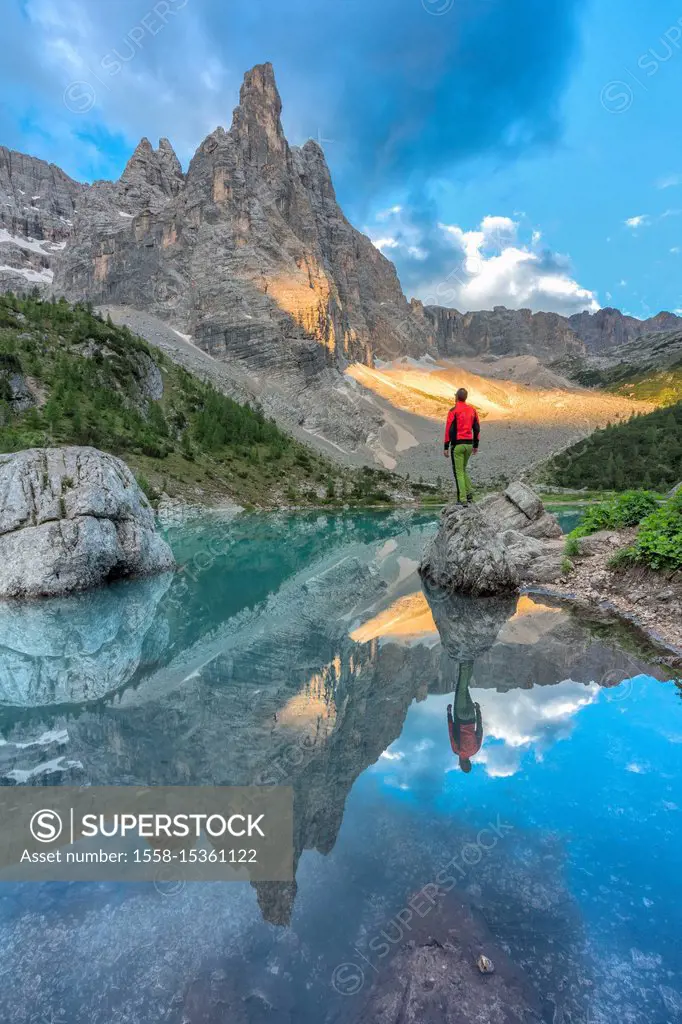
(37, 206)
(549, 336)
(249, 249)
(501, 332)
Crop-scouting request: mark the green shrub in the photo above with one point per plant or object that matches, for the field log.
(659, 540)
(627, 509)
(622, 559)
(571, 547)
(631, 507)
(146, 487)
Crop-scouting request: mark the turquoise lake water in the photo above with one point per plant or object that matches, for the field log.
(303, 650)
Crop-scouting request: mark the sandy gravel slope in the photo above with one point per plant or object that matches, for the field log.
(523, 423)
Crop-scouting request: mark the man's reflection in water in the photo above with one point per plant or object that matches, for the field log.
(466, 728)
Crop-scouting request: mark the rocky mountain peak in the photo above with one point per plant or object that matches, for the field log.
(256, 121)
(316, 170)
(142, 157)
(151, 176)
(170, 166)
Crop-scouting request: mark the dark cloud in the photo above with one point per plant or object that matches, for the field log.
(405, 93)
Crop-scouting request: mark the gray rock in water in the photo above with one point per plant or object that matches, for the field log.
(494, 546)
(435, 977)
(70, 519)
(468, 627)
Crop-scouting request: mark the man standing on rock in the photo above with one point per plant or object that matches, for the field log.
(462, 431)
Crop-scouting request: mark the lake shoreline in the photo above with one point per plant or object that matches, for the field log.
(607, 603)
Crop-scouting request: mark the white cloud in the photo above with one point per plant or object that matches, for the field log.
(517, 724)
(386, 243)
(529, 720)
(390, 212)
(212, 76)
(642, 220)
(670, 181)
(445, 265)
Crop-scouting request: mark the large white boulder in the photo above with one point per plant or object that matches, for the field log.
(71, 519)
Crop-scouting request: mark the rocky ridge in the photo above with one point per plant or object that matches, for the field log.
(251, 246)
(548, 336)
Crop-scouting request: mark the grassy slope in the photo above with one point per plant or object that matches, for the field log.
(90, 381)
(648, 368)
(662, 386)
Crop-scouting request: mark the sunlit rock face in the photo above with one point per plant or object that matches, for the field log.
(77, 649)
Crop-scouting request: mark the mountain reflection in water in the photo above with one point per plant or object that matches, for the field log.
(305, 653)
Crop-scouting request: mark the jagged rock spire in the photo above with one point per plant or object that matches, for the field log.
(141, 162)
(256, 121)
(170, 166)
(155, 169)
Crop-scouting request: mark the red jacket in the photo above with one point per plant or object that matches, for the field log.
(462, 425)
(466, 738)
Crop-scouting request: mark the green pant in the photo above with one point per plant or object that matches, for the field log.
(460, 454)
(465, 709)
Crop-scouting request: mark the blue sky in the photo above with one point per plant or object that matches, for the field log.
(523, 152)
